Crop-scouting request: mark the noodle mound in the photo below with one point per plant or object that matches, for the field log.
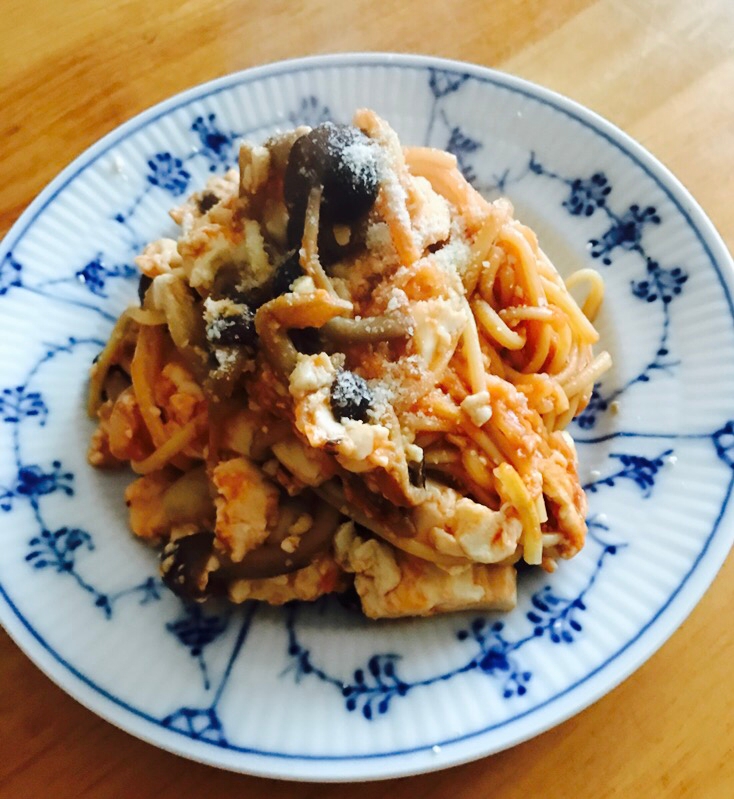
(350, 371)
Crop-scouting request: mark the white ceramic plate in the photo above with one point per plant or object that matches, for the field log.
(319, 693)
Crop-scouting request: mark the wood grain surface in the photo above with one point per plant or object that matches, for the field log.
(663, 70)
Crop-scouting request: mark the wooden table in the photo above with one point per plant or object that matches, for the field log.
(663, 70)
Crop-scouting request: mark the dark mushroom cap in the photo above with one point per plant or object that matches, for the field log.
(350, 397)
(344, 162)
(184, 565)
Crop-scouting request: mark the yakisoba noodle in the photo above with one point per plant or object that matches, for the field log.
(350, 369)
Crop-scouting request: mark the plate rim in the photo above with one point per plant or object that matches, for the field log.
(626, 660)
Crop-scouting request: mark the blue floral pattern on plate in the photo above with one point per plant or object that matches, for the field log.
(215, 640)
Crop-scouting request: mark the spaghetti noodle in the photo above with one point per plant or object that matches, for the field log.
(350, 370)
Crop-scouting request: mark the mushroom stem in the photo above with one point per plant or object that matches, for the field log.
(271, 560)
(276, 317)
(105, 361)
(368, 329)
(276, 343)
